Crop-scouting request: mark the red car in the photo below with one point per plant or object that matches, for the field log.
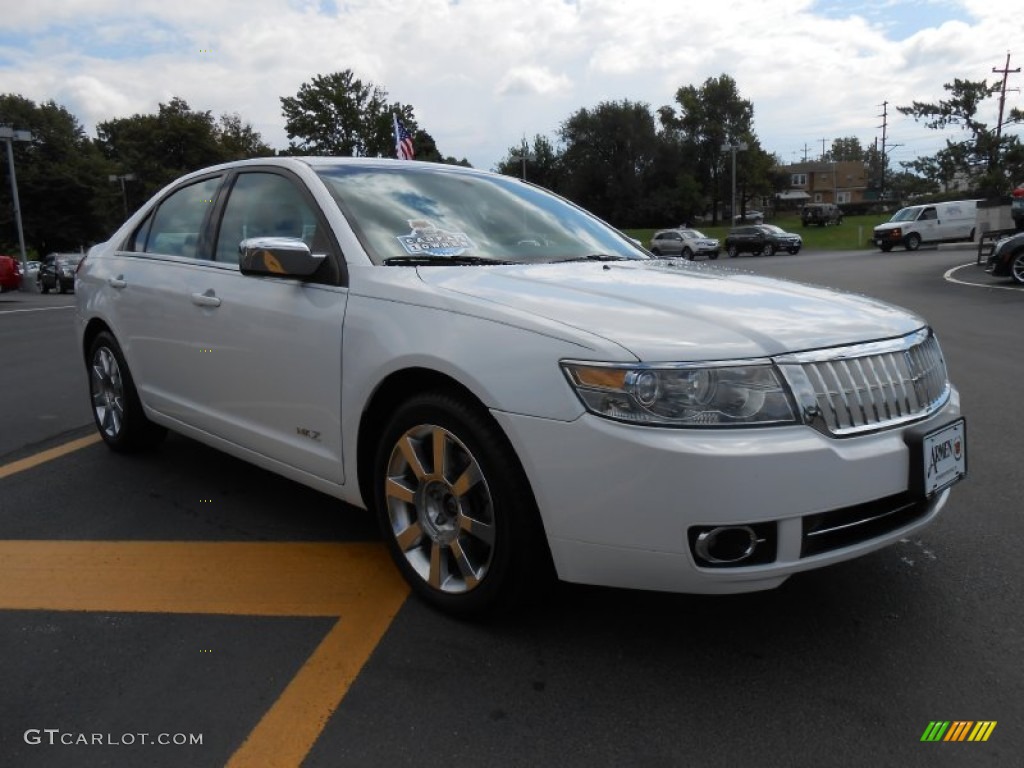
(10, 274)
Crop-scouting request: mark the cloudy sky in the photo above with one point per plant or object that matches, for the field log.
(482, 73)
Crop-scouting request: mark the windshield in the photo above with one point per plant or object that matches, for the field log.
(906, 214)
(692, 233)
(414, 215)
(775, 229)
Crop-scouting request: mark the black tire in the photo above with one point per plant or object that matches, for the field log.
(656, 251)
(912, 241)
(733, 251)
(713, 256)
(116, 408)
(687, 254)
(43, 287)
(768, 249)
(886, 248)
(1017, 267)
(467, 538)
(794, 251)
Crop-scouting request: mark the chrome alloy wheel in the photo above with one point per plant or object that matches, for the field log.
(440, 509)
(107, 389)
(1017, 268)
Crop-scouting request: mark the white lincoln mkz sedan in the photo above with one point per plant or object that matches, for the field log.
(511, 384)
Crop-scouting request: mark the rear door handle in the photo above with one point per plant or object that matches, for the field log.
(207, 299)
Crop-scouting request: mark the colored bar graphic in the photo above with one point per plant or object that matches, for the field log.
(958, 730)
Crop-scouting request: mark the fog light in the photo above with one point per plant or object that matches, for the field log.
(724, 546)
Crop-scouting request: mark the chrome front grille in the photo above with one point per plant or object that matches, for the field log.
(849, 390)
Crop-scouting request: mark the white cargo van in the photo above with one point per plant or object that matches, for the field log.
(948, 222)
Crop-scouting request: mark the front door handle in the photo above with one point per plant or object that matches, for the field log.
(207, 299)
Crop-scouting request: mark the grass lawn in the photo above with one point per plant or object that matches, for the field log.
(854, 233)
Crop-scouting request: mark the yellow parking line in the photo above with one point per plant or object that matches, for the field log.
(354, 581)
(44, 456)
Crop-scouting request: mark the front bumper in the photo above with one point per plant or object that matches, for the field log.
(618, 500)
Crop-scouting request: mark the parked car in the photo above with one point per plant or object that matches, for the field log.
(761, 240)
(821, 214)
(1007, 259)
(57, 272)
(10, 273)
(751, 217)
(686, 243)
(511, 384)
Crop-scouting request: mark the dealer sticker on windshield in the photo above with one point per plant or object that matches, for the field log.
(945, 457)
(425, 238)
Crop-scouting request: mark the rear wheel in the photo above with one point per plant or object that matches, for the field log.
(455, 507)
(886, 247)
(656, 251)
(912, 241)
(687, 254)
(733, 251)
(116, 407)
(768, 249)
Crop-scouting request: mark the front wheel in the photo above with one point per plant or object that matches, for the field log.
(116, 407)
(455, 507)
(1017, 268)
(913, 242)
(687, 254)
(886, 247)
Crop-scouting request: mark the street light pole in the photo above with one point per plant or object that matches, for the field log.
(124, 192)
(9, 135)
(734, 147)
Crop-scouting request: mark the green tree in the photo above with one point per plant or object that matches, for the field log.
(238, 140)
(157, 149)
(66, 201)
(543, 163)
(986, 156)
(844, 149)
(709, 117)
(609, 155)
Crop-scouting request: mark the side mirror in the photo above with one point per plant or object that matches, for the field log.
(281, 256)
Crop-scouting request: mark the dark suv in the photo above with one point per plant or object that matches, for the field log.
(761, 240)
(821, 214)
(57, 272)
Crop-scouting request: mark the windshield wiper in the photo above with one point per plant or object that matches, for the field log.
(427, 260)
(596, 257)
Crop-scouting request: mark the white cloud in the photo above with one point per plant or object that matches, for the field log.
(532, 80)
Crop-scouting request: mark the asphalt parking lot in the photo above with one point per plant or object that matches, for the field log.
(188, 598)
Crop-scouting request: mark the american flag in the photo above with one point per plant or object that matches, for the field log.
(403, 141)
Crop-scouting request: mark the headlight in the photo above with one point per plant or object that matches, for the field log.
(684, 394)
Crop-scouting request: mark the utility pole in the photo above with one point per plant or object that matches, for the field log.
(885, 162)
(823, 149)
(1006, 72)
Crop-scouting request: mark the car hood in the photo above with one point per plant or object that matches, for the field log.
(664, 311)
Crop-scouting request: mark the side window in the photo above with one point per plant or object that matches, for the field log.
(929, 213)
(174, 228)
(266, 205)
